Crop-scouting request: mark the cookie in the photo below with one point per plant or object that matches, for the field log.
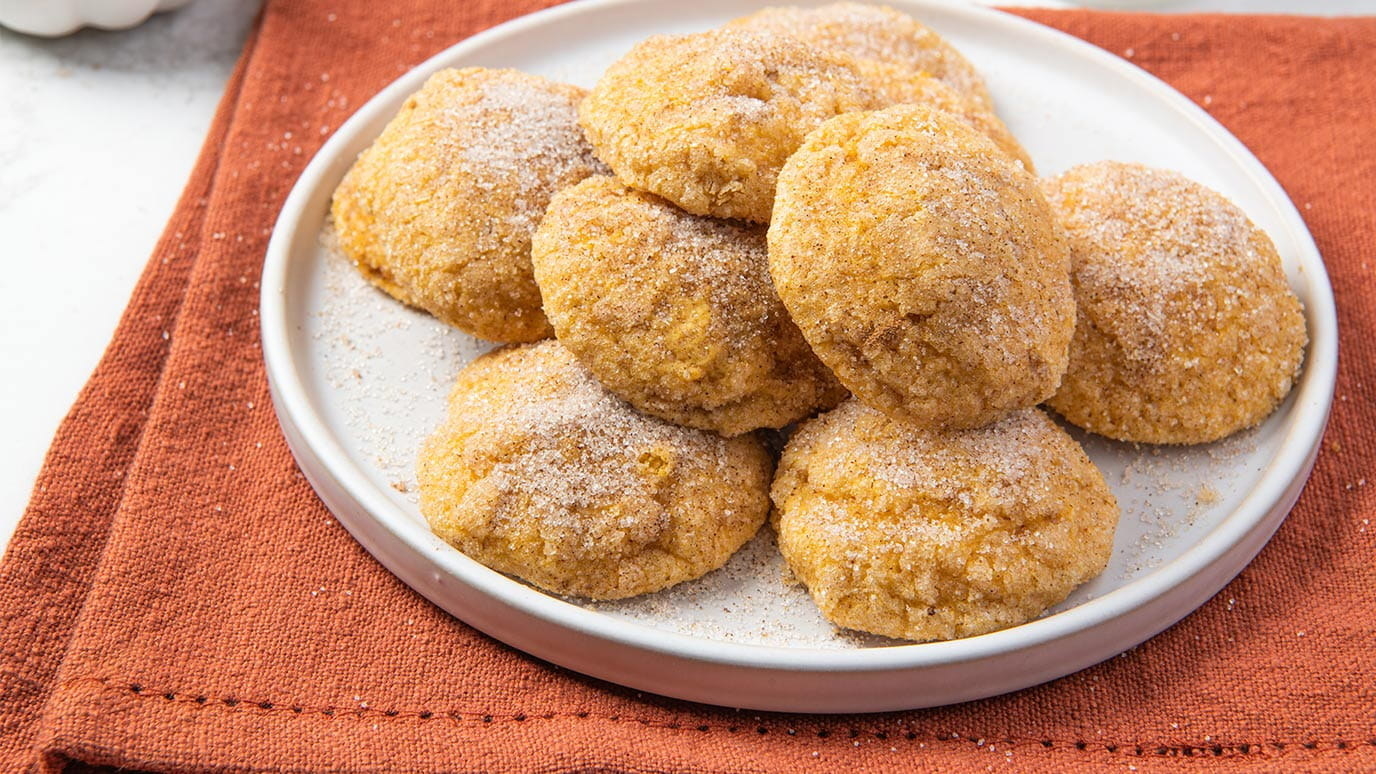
(878, 33)
(439, 210)
(675, 312)
(924, 268)
(932, 535)
(707, 120)
(1188, 331)
(540, 472)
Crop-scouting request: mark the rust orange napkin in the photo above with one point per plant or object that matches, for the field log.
(177, 599)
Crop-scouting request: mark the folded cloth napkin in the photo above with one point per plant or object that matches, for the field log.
(177, 599)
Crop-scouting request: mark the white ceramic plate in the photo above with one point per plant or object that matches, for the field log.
(358, 380)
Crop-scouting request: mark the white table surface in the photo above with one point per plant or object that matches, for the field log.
(99, 134)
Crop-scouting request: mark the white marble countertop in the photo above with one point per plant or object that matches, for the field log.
(99, 135)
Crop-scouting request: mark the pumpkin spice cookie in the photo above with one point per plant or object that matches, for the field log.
(439, 211)
(707, 120)
(1188, 330)
(541, 473)
(675, 312)
(933, 535)
(877, 33)
(923, 267)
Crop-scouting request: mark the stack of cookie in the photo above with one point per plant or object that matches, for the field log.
(803, 211)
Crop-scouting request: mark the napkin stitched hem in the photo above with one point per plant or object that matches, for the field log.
(822, 730)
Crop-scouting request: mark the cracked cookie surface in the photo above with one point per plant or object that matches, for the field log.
(923, 267)
(1188, 330)
(675, 312)
(439, 210)
(931, 535)
(539, 472)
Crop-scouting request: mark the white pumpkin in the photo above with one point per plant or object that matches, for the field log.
(52, 18)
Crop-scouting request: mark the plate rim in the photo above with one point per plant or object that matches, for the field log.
(1312, 402)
